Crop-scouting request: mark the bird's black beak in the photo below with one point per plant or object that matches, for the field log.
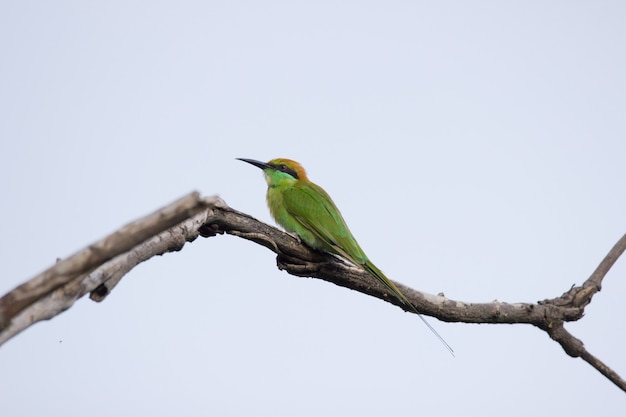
(259, 164)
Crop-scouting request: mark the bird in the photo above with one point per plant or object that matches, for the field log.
(304, 208)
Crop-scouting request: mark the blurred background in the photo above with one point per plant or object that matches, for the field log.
(475, 149)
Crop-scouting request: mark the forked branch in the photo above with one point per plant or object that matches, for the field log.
(99, 267)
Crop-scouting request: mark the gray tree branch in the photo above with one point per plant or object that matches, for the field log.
(99, 267)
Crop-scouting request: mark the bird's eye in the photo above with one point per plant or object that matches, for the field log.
(284, 168)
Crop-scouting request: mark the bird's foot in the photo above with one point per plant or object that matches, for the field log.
(295, 236)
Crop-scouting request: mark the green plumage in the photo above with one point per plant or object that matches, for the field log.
(304, 208)
(308, 211)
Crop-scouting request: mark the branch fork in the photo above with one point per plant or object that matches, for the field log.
(98, 268)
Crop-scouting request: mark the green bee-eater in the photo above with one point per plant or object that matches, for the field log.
(304, 208)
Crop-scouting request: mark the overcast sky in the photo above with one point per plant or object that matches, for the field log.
(475, 148)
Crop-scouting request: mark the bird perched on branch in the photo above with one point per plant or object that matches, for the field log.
(304, 208)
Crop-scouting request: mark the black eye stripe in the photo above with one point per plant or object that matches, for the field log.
(284, 168)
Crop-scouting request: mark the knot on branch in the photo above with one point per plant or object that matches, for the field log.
(210, 230)
(577, 297)
(570, 306)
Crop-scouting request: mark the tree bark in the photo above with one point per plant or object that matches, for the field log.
(99, 267)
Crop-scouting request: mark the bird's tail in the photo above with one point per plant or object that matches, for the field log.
(380, 276)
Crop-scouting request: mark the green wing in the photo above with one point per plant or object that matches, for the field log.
(313, 208)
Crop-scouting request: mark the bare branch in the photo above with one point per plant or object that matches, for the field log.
(594, 282)
(575, 348)
(84, 261)
(102, 280)
(99, 267)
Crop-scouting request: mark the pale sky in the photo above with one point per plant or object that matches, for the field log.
(475, 148)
